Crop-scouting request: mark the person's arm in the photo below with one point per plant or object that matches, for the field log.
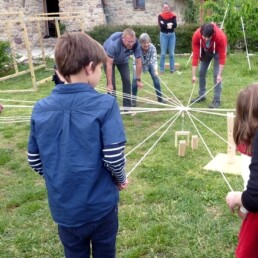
(196, 46)
(109, 73)
(174, 22)
(34, 159)
(222, 47)
(35, 163)
(248, 198)
(114, 161)
(233, 200)
(250, 195)
(153, 58)
(194, 68)
(138, 63)
(219, 76)
(162, 23)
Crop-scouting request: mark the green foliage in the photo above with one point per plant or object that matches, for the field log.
(231, 11)
(183, 33)
(62, 27)
(191, 12)
(5, 56)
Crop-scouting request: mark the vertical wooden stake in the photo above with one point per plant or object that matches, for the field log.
(27, 44)
(231, 145)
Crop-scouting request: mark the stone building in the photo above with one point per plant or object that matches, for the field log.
(92, 13)
(73, 15)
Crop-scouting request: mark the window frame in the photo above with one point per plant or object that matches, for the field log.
(138, 7)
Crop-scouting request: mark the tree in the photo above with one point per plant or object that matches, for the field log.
(191, 12)
(234, 10)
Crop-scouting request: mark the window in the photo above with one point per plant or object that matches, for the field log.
(139, 4)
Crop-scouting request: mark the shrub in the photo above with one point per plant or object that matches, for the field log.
(183, 33)
(5, 57)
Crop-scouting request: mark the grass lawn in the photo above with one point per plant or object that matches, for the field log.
(172, 208)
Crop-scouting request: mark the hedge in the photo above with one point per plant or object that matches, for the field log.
(184, 34)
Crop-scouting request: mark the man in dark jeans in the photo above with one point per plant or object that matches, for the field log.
(209, 42)
(119, 46)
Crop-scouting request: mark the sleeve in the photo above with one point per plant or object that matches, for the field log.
(114, 160)
(137, 50)
(112, 128)
(33, 152)
(250, 195)
(162, 23)
(154, 60)
(174, 22)
(114, 139)
(110, 50)
(222, 48)
(196, 46)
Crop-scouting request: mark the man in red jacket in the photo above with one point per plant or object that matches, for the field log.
(209, 42)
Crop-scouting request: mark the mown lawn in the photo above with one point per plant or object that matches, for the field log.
(172, 208)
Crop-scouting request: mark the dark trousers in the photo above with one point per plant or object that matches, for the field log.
(99, 235)
(124, 71)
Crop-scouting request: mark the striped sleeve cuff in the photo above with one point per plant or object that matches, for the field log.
(114, 161)
(35, 163)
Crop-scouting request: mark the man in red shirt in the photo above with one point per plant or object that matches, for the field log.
(209, 42)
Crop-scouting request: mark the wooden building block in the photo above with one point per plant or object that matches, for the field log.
(182, 133)
(181, 148)
(194, 143)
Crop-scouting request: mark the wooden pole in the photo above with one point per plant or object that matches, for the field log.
(12, 46)
(57, 26)
(231, 144)
(41, 43)
(25, 35)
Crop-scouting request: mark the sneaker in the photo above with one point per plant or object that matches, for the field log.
(198, 99)
(134, 103)
(162, 101)
(214, 104)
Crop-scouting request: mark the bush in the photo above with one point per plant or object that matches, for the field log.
(183, 33)
(5, 57)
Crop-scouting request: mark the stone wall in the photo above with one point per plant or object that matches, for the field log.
(92, 12)
(124, 13)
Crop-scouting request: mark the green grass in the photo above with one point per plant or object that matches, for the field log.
(172, 207)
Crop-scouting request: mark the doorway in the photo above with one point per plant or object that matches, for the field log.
(51, 6)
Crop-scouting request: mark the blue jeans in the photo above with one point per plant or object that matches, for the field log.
(99, 235)
(204, 65)
(155, 80)
(167, 42)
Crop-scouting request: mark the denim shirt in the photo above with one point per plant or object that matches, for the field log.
(68, 130)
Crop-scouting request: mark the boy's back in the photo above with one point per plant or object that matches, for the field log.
(77, 143)
(71, 126)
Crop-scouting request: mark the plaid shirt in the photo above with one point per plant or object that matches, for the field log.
(149, 58)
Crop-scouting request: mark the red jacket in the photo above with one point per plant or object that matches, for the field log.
(218, 45)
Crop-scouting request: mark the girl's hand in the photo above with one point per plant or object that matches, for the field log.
(233, 200)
